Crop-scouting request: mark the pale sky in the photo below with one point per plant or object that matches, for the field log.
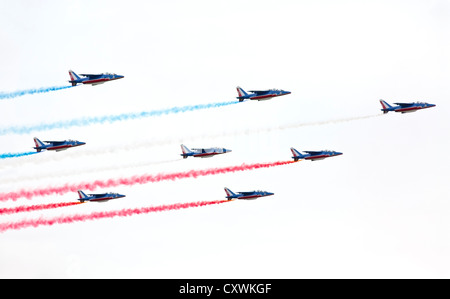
(378, 211)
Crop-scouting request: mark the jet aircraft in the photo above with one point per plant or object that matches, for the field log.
(313, 155)
(94, 79)
(202, 152)
(260, 95)
(56, 145)
(98, 197)
(404, 107)
(246, 195)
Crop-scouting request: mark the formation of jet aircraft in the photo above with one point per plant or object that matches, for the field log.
(56, 145)
(94, 79)
(405, 107)
(202, 152)
(313, 155)
(260, 95)
(98, 197)
(246, 194)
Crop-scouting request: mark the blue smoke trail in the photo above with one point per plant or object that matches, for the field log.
(14, 94)
(85, 121)
(15, 155)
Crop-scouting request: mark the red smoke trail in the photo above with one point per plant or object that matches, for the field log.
(99, 215)
(143, 179)
(14, 210)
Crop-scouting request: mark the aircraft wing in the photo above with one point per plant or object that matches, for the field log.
(259, 92)
(313, 152)
(203, 150)
(247, 192)
(93, 76)
(55, 142)
(404, 104)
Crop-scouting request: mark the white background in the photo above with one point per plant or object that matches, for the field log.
(378, 211)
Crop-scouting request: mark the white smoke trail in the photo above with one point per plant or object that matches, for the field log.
(142, 144)
(250, 131)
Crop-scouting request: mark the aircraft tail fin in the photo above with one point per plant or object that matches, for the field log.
(73, 77)
(82, 196)
(296, 154)
(38, 144)
(385, 106)
(241, 94)
(185, 151)
(229, 193)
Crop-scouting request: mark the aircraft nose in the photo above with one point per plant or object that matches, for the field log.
(338, 153)
(227, 150)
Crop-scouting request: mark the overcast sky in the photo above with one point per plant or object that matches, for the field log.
(378, 211)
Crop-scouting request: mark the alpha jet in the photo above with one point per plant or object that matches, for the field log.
(260, 95)
(202, 152)
(313, 155)
(404, 107)
(246, 194)
(98, 197)
(94, 79)
(56, 145)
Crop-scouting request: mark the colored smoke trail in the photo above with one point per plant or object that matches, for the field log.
(19, 93)
(99, 215)
(86, 121)
(15, 155)
(4, 211)
(142, 179)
